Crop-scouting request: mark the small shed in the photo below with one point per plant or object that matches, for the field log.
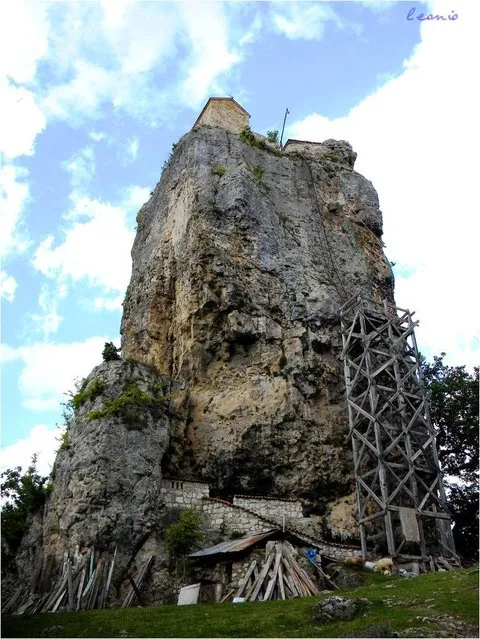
(253, 567)
(223, 112)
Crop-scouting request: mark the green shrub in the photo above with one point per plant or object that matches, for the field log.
(64, 441)
(87, 392)
(186, 535)
(272, 136)
(140, 220)
(257, 172)
(128, 403)
(110, 351)
(219, 170)
(250, 138)
(26, 495)
(332, 157)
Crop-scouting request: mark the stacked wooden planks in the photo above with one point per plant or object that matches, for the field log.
(280, 577)
(83, 583)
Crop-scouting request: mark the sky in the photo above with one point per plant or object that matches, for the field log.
(94, 93)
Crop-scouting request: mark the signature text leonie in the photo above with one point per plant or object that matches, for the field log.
(430, 16)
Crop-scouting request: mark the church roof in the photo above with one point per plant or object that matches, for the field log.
(225, 99)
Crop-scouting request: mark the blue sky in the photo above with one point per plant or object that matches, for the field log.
(93, 94)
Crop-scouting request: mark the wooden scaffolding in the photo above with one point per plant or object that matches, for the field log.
(400, 493)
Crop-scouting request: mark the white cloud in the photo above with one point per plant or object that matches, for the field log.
(48, 320)
(98, 136)
(417, 138)
(8, 286)
(107, 304)
(132, 149)
(83, 95)
(19, 55)
(210, 54)
(81, 167)
(22, 120)
(49, 370)
(41, 440)
(300, 20)
(134, 196)
(96, 246)
(14, 193)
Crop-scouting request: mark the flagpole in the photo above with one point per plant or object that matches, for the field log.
(283, 127)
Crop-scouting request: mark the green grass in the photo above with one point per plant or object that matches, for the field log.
(394, 600)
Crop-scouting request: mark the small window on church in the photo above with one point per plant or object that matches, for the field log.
(173, 484)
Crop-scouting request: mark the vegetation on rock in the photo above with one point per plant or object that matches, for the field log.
(128, 403)
(25, 495)
(186, 535)
(258, 172)
(272, 136)
(219, 170)
(110, 351)
(247, 136)
(87, 392)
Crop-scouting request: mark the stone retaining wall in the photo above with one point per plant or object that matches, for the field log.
(271, 508)
(183, 494)
(229, 519)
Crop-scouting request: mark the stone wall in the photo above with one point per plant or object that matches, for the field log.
(230, 519)
(271, 508)
(183, 494)
(224, 113)
(303, 145)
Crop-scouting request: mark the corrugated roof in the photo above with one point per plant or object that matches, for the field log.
(234, 546)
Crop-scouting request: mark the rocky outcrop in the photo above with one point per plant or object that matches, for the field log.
(106, 477)
(230, 369)
(242, 259)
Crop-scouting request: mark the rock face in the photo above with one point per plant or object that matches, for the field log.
(110, 465)
(242, 260)
(230, 369)
(106, 475)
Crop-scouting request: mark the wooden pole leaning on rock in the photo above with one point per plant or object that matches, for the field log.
(244, 581)
(141, 576)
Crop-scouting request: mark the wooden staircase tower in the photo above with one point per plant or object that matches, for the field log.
(401, 504)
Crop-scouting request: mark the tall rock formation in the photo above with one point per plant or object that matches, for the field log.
(230, 369)
(242, 260)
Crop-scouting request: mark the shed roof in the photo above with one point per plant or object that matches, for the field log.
(237, 545)
(228, 99)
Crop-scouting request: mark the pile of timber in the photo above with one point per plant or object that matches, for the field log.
(280, 577)
(83, 583)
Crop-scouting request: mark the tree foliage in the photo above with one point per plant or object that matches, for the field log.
(185, 535)
(24, 494)
(272, 136)
(454, 406)
(110, 352)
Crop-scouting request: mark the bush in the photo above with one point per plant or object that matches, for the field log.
(257, 172)
(87, 392)
(185, 535)
(272, 136)
(64, 441)
(129, 403)
(250, 138)
(26, 494)
(110, 352)
(219, 170)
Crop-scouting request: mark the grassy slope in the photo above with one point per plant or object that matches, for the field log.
(395, 600)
